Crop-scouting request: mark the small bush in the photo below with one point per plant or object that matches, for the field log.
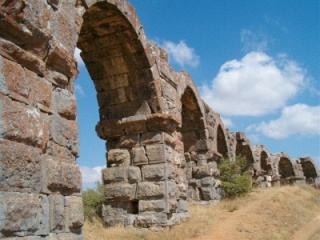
(233, 178)
(92, 201)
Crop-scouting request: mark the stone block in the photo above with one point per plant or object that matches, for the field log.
(160, 153)
(158, 172)
(120, 191)
(57, 213)
(23, 214)
(65, 133)
(134, 124)
(128, 141)
(139, 156)
(171, 189)
(118, 208)
(119, 157)
(60, 176)
(134, 174)
(74, 217)
(108, 129)
(147, 220)
(202, 171)
(24, 58)
(23, 123)
(152, 205)
(64, 103)
(57, 151)
(210, 193)
(20, 167)
(13, 78)
(150, 190)
(115, 174)
(62, 61)
(207, 182)
(157, 137)
(182, 206)
(203, 145)
(161, 122)
(168, 90)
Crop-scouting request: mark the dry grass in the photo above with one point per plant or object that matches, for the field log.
(264, 214)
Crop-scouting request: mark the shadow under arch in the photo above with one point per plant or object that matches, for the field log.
(243, 149)
(192, 128)
(221, 142)
(309, 169)
(264, 165)
(285, 168)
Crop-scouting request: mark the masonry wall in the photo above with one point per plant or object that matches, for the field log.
(163, 143)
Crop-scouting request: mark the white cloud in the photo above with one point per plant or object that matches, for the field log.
(78, 89)
(253, 41)
(78, 57)
(181, 53)
(91, 175)
(227, 122)
(298, 119)
(255, 85)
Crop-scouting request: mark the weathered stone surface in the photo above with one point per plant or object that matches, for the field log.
(160, 153)
(23, 123)
(129, 141)
(139, 156)
(119, 157)
(65, 103)
(74, 217)
(57, 213)
(152, 205)
(150, 190)
(118, 208)
(23, 214)
(151, 220)
(60, 176)
(20, 167)
(182, 206)
(120, 191)
(121, 174)
(65, 133)
(158, 172)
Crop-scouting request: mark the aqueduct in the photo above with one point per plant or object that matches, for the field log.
(163, 141)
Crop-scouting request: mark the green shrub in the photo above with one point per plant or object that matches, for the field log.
(233, 178)
(92, 201)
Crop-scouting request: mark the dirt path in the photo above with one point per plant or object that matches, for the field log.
(265, 219)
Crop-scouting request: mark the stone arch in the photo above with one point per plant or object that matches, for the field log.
(309, 169)
(265, 166)
(192, 127)
(243, 149)
(285, 167)
(222, 146)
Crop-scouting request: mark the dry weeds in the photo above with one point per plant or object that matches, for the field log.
(274, 213)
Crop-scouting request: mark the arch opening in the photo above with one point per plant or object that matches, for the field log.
(285, 168)
(243, 149)
(264, 165)
(192, 128)
(221, 142)
(117, 63)
(309, 170)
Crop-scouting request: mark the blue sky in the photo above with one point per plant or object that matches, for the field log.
(255, 62)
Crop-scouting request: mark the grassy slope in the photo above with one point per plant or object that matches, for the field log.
(275, 213)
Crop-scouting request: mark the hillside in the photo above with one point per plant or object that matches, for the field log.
(291, 212)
